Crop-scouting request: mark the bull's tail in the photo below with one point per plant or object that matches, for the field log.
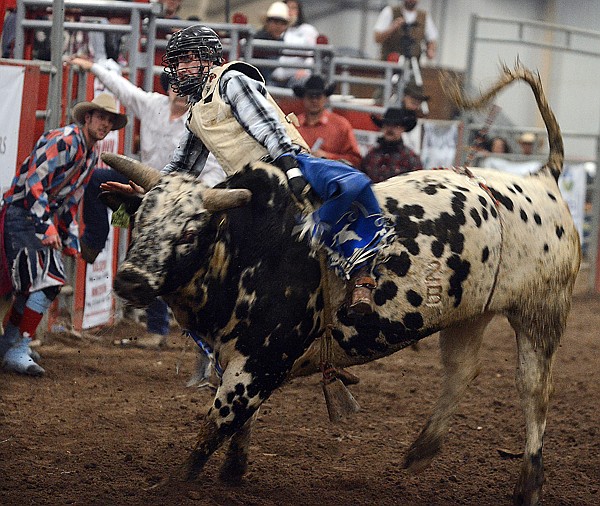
(555, 160)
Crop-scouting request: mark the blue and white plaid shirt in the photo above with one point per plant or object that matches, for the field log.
(249, 105)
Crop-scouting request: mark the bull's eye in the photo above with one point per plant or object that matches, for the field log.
(188, 237)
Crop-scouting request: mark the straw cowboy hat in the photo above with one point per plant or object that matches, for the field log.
(103, 102)
(314, 85)
(398, 116)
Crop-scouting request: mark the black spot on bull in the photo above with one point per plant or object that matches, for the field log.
(399, 264)
(523, 215)
(485, 254)
(414, 298)
(461, 270)
(476, 218)
(437, 248)
(503, 199)
(375, 334)
(406, 229)
(385, 292)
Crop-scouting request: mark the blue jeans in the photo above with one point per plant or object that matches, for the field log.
(95, 213)
(157, 317)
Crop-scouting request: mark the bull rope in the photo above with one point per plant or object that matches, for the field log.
(326, 348)
(326, 361)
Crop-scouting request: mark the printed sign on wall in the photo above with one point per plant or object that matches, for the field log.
(98, 287)
(12, 79)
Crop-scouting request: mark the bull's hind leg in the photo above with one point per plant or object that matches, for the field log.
(459, 352)
(534, 383)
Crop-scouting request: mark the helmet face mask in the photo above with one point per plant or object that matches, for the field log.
(196, 49)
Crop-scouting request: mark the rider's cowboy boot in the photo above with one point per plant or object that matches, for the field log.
(361, 298)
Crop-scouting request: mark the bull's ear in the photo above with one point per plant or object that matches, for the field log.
(219, 199)
(115, 199)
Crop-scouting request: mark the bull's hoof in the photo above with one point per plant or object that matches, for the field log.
(526, 493)
(233, 469)
(526, 497)
(420, 454)
(416, 464)
(194, 465)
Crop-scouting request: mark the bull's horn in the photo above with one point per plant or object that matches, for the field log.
(219, 199)
(144, 175)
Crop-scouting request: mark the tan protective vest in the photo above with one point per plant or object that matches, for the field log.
(212, 121)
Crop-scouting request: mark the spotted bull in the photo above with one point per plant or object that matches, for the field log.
(470, 244)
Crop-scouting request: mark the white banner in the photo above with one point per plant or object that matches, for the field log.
(572, 184)
(11, 90)
(98, 287)
(439, 145)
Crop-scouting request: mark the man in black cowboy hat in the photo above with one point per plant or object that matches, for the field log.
(391, 157)
(329, 135)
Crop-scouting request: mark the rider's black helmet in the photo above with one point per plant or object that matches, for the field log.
(196, 43)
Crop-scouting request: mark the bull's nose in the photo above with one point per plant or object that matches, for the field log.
(133, 287)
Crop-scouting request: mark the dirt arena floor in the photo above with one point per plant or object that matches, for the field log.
(106, 424)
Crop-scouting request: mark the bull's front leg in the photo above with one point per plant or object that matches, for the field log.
(236, 459)
(230, 415)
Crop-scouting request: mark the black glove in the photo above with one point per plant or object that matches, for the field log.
(296, 181)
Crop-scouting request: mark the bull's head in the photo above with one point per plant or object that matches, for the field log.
(172, 229)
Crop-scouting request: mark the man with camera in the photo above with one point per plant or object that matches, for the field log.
(406, 30)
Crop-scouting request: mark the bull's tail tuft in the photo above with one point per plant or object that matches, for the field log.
(555, 160)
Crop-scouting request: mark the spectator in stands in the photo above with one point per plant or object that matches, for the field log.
(498, 145)
(298, 33)
(299, 29)
(413, 97)
(412, 100)
(527, 142)
(162, 124)
(406, 30)
(328, 135)
(48, 185)
(276, 23)
(170, 9)
(391, 157)
(9, 30)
